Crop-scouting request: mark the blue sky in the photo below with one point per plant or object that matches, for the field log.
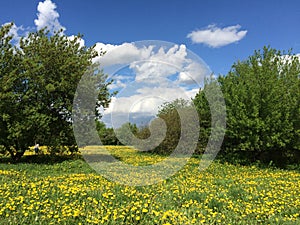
(220, 32)
(268, 22)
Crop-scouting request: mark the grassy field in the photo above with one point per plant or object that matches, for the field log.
(65, 191)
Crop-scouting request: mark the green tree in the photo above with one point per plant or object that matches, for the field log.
(37, 98)
(181, 120)
(10, 87)
(262, 97)
(210, 105)
(203, 108)
(126, 133)
(106, 134)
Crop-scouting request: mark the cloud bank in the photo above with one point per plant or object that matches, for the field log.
(215, 37)
(147, 75)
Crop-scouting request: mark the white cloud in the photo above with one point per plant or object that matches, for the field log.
(289, 58)
(143, 105)
(14, 31)
(17, 32)
(161, 64)
(193, 72)
(153, 64)
(80, 40)
(121, 54)
(285, 60)
(148, 98)
(214, 36)
(154, 73)
(117, 84)
(48, 16)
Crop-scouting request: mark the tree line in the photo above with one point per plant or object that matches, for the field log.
(39, 76)
(262, 97)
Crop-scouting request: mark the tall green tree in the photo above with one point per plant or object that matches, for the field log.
(39, 92)
(262, 97)
(9, 62)
(210, 105)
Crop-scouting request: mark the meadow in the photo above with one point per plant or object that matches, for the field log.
(65, 190)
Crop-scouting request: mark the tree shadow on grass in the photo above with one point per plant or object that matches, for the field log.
(98, 158)
(289, 160)
(41, 159)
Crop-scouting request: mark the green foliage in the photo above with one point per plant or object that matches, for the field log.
(38, 82)
(180, 121)
(210, 106)
(262, 97)
(203, 109)
(119, 136)
(10, 87)
(106, 134)
(168, 112)
(126, 133)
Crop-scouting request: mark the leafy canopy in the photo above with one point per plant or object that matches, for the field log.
(38, 82)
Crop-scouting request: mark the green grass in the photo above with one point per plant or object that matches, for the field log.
(65, 190)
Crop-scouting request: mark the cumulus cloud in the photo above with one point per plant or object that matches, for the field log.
(121, 54)
(214, 36)
(117, 84)
(147, 75)
(192, 73)
(152, 63)
(48, 16)
(144, 104)
(161, 64)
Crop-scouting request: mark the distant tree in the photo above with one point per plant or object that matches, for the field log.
(177, 115)
(143, 132)
(168, 112)
(106, 134)
(126, 132)
(110, 138)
